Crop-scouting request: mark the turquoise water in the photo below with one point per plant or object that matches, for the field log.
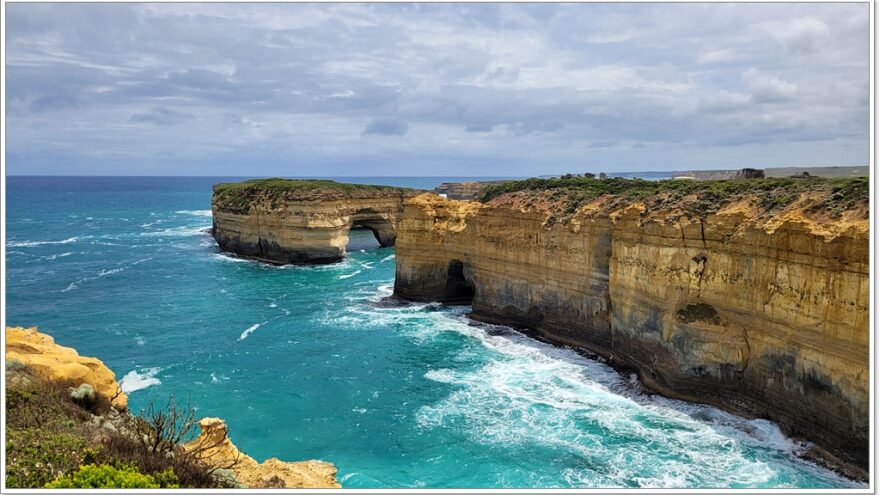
(314, 362)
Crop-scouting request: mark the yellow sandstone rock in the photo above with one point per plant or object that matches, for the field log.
(305, 224)
(59, 363)
(218, 450)
(763, 314)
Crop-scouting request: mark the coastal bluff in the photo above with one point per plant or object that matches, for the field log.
(54, 426)
(29, 347)
(751, 295)
(292, 221)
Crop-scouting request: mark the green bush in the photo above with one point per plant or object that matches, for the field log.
(106, 476)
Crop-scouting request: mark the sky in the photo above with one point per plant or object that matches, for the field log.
(433, 89)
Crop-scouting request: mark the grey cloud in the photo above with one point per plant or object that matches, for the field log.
(386, 127)
(161, 116)
(536, 83)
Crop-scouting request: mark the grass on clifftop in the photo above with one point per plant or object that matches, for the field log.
(296, 185)
(237, 196)
(706, 196)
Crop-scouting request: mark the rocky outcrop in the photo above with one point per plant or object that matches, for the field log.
(215, 448)
(299, 221)
(39, 351)
(757, 303)
(30, 353)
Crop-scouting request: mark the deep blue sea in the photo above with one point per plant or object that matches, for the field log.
(312, 362)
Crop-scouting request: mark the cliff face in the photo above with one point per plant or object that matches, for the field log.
(302, 222)
(761, 313)
(58, 363)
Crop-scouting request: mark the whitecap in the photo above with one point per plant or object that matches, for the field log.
(387, 258)
(218, 379)
(56, 256)
(135, 380)
(197, 213)
(230, 258)
(39, 243)
(349, 275)
(104, 273)
(250, 330)
(139, 340)
(184, 231)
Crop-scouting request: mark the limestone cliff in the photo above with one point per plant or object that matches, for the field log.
(301, 221)
(754, 299)
(39, 351)
(216, 449)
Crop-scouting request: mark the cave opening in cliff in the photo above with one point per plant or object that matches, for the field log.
(361, 237)
(458, 289)
(370, 231)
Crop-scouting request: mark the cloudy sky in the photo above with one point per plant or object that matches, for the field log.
(432, 89)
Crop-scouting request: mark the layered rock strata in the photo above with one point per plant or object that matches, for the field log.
(760, 311)
(300, 221)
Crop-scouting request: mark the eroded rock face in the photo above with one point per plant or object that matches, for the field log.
(765, 315)
(218, 450)
(303, 226)
(58, 363)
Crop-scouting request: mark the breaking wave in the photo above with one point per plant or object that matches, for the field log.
(139, 380)
(196, 213)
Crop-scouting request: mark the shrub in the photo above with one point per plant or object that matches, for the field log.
(50, 434)
(35, 457)
(696, 196)
(155, 445)
(107, 476)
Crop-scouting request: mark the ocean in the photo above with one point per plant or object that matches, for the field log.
(315, 362)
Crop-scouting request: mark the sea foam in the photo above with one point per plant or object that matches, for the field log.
(139, 380)
(40, 243)
(196, 213)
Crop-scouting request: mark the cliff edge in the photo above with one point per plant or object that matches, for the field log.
(751, 295)
(63, 364)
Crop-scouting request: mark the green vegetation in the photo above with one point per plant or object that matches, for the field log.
(699, 312)
(54, 437)
(107, 476)
(236, 197)
(698, 196)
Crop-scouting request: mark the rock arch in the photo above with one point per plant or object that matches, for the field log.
(380, 225)
(285, 221)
